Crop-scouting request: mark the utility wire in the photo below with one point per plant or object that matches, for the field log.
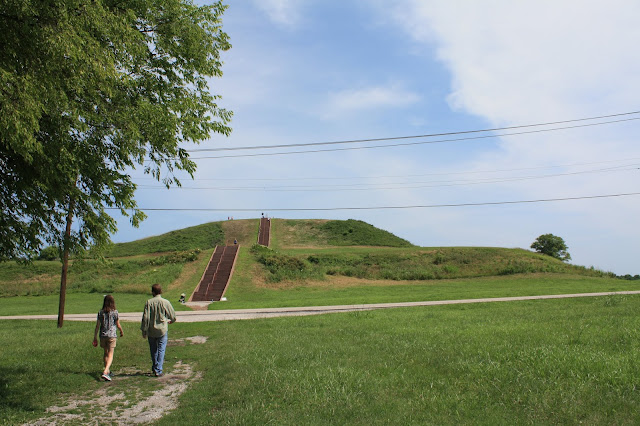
(413, 143)
(398, 185)
(430, 135)
(344, 178)
(388, 207)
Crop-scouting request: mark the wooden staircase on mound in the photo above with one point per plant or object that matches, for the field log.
(264, 233)
(216, 277)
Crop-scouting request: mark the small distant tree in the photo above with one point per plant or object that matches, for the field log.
(49, 253)
(553, 246)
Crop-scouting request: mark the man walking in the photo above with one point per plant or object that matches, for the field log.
(158, 314)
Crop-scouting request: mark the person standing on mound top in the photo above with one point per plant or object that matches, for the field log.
(107, 323)
(158, 314)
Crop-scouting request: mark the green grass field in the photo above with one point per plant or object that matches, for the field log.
(537, 362)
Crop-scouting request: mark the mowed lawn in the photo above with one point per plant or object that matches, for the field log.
(534, 362)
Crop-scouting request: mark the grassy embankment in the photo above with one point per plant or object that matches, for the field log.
(314, 262)
(309, 265)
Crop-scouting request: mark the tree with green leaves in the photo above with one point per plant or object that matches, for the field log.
(553, 246)
(89, 90)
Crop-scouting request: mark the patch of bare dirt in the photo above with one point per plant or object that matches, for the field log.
(331, 281)
(196, 340)
(36, 279)
(340, 281)
(197, 306)
(143, 256)
(120, 402)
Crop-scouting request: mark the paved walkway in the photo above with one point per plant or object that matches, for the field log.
(241, 314)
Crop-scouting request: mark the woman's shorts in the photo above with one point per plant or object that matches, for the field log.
(108, 342)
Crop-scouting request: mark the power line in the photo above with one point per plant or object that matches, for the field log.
(343, 178)
(430, 135)
(398, 185)
(264, 154)
(388, 207)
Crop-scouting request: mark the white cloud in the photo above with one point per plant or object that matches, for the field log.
(369, 98)
(284, 13)
(518, 61)
(533, 61)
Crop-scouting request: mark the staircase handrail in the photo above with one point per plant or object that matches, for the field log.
(233, 267)
(215, 274)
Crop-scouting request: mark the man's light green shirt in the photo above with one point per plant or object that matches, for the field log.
(157, 315)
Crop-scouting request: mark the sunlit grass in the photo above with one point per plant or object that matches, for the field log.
(202, 237)
(536, 362)
(542, 362)
(408, 264)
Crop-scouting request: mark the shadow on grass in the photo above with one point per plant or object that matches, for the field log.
(11, 396)
(136, 374)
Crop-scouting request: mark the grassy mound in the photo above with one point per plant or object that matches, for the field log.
(201, 237)
(304, 253)
(358, 233)
(289, 233)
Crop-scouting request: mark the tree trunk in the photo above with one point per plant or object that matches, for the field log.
(65, 266)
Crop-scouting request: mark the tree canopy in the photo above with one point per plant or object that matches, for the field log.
(551, 245)
(90, 89)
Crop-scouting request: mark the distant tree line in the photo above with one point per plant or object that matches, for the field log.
(629, 277)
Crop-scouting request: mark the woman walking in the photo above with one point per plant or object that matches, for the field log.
(107, 323)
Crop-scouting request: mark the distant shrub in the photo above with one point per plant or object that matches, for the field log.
(439, 259)
(450, 269)
(49, 253)
(177, 257)
(281, 266)
(517, 267)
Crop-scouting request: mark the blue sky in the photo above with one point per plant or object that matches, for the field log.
(307, 71)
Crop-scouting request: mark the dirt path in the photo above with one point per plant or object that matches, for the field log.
(123, 401)
(242, 314)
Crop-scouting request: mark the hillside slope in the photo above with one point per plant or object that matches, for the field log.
(285, 232)
(406, 264)
(296, 233)
(201, 237)
(303, 253)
